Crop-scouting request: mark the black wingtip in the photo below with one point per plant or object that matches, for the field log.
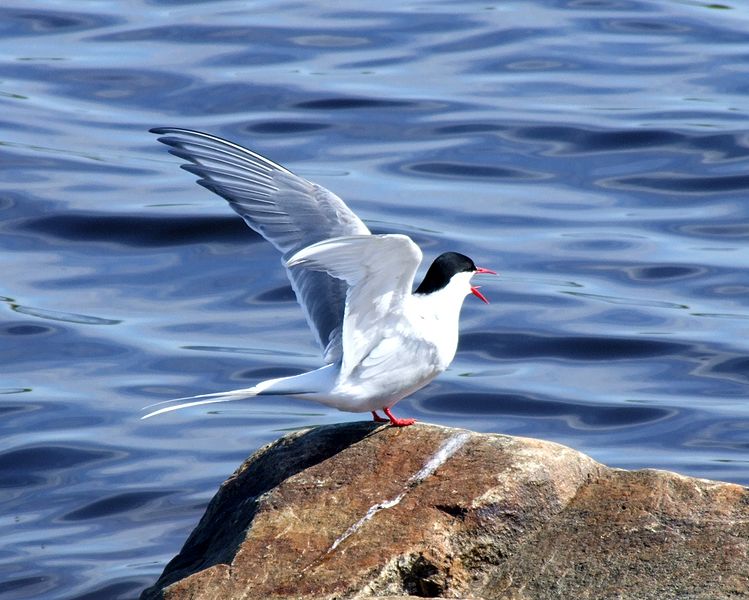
(163, 130)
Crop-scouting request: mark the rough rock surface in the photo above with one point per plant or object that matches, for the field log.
(360, 510)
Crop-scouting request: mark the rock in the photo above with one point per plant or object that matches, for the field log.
(364, 510)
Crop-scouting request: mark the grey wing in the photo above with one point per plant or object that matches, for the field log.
(288, 211)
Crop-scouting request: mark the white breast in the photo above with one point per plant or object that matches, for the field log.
(435, 317)
(418, 343)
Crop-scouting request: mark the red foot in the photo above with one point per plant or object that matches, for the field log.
(378, 418)
(395, 422)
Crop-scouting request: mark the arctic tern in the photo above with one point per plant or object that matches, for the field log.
(381, 342)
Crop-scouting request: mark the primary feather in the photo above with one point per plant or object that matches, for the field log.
(287, 210)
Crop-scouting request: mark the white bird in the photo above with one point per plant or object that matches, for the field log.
(381, 342)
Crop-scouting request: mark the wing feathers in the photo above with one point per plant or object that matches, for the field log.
(233, 178)
(379, 270)
(288, 211)
(178, 137)
(340, 257)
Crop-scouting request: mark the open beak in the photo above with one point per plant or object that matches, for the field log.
(479, 295)
(475, 288)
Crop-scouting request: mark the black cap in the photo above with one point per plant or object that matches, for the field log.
(442, 270)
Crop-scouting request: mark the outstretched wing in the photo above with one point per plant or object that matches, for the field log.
(288, 211)
(379, 270)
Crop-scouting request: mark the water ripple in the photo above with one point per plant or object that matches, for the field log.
(56, 315)
(35, 21)
(136, 231)
(115, 504)
(21, 467)
(513, 405)
(353, 103)
(517, 346)
(679, 183)
(593, 151)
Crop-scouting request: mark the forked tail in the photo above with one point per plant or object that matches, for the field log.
(311, 383)
(201, 399)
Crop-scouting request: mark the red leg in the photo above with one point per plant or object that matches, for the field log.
(378, 418)
(395, 422)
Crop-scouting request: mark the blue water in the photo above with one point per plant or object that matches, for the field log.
(595, 152)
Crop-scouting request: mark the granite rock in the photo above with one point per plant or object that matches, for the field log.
(363, 510)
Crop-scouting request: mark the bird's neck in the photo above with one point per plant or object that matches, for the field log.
(445, 303)
(435, 317)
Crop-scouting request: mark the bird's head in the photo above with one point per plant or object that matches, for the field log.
(452, 272)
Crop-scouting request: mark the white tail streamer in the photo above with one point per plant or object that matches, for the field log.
(206, 399)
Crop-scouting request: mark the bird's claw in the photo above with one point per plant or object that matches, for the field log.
(395, 421)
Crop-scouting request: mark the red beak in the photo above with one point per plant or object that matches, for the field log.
(475, 289)
(479, 295)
